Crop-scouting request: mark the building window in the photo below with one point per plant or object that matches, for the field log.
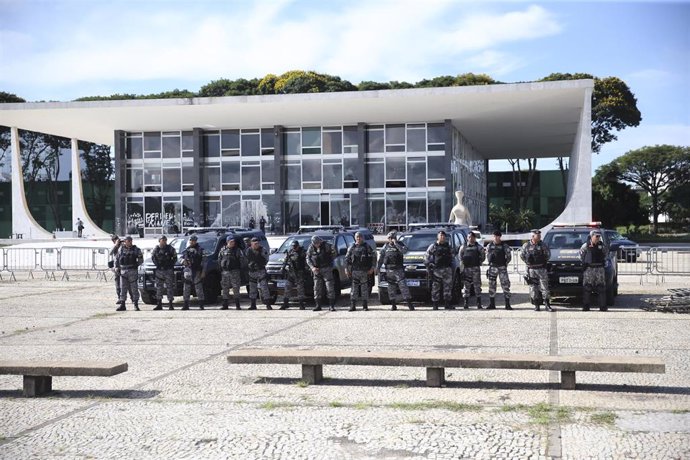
(293, 141)
(251, 177)
(171, 180)
(395, 172)
(211, 145)
(416, 172)
(350, 139)
(395, 138)
(375, 139)
(250, 144)
(436, 136)
(350, 176)
(375, 172)
(134, 148)
(230, 142)
(332, 175)
(311, 140)
(171, 146)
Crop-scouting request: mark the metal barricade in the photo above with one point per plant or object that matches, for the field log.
(22, 259)
(671, 260)
(634, 260)
(76, 258)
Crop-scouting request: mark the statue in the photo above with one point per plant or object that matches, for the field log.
(459, 214)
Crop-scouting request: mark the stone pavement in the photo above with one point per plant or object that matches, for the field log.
(180, 397)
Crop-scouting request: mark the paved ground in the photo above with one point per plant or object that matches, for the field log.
(180, 397)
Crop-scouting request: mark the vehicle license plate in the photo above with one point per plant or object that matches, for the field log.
(568, 279)
(412, 282)
(280, 283)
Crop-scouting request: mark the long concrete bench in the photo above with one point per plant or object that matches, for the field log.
(312, 362)
(38, 375)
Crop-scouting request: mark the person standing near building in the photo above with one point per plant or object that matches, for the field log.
(320, 258)
(262, 224)
(257, 258)
(499, 255)
(439, 263)
(129, 257)
(472, 255)
(230, 260)
(295, 269)
(193, 273)
(359, 266)
(112, 264)
(80, 227)
(392, 255)
(536, 254)
(593, 255)
(164, 257)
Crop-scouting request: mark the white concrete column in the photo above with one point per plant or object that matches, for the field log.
(22, 221)
(78, 202)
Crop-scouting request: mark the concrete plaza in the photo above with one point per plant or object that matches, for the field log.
(180, 397)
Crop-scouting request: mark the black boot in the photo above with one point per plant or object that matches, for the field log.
(466, 303)
(409, 305)
(318, 306)
(252, 306)
(448, 306)
(393, 306)
(121, 307)
(479, 303)
(237, 304)
(492, 303)
(352, 307)
(434, 305)
(536, 304)
(286, 304)
(586, 299)
(365, 305)
(170, 307)
(332, 307)
(185, 305)
(547, 303)
(119, 302)
(301, 304)
(136, 306)
(225, 304)
(508, 307)
(268, 306)
(201, 305)
(159, 305)
(585, 308)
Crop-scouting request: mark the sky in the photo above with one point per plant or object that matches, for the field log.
(60, 50)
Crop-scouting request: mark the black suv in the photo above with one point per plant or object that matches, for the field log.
(417, 239)
(336, 236)
(565, 268)
(212, 241)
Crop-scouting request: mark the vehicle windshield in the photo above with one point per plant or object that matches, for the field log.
(418, 242)
(208, 245)
(613, 236)
(566, 239)
(304, 241)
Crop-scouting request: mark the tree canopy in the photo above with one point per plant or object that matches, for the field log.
(607, 195)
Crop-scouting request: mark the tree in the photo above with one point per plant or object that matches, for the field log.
(608, 192)
(225, 87)
(300, 81)
(678, 205)
(97, 176)
(9, 97)
(372, 86)
(655, 170)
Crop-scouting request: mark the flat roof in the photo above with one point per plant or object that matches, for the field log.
(501, 121)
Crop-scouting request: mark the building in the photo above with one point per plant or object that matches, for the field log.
(379, 158)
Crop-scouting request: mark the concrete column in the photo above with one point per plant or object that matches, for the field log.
(312, 373)
(280, 175)
(435, 376)
(23, 222)
(450, 193)
(198, 144)
(362, 175)
(119, 148)
(78, 202)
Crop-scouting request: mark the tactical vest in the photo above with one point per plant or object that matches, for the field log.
(256, 259)
(594, 257)
(127, 258)
(361, 257)
(230, 259)
(194, 256)
(470, 257)
(497, 255)
(536, 256)
(164, 258)
(295, 260)
(322, 257)
(392, 257)
(443, 256)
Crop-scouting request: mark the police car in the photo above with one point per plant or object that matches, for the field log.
(565, 269)
(417, 239)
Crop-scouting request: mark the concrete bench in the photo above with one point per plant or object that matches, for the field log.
(38, 375)
(312, 362)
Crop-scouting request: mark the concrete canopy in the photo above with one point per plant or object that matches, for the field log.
(517, 120)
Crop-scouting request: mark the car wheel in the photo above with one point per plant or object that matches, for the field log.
(383, 296)
(147, 297)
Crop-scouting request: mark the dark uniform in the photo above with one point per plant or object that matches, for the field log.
(320, 261)
(359, 262)
(193, 258)
(536, 256)
(231, 260)
(593, 257)
(295, 269)
(164, 259)
(499, 256)
(113, 265)
(258, 278)
(472, 256)
(439, 262)
(128, 261)
(392, 255)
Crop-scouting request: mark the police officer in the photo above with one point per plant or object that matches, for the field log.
(230, 260)
(295, 269)
(392, 255)
(193, 258)
(536, 254)
(439, 263)
(129, 257)
(472, 255)
(320, 258)
(359, 266)
(593, 255)
(113, 264)
(499, 255)
(164, 257)
(257, 258)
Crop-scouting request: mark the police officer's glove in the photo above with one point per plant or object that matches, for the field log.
(431, 266)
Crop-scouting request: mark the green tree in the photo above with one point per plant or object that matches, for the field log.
(9, 97)
(655, 170)
(97, 175)
(225, 87)
(608, 192)
(372, 86)
(678, 205)
(300, 81)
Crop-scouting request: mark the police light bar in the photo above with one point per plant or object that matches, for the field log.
(577, 224)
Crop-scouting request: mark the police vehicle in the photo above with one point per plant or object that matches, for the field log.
(565, 269)
(211, 240)
(336, 236)
(417, 239)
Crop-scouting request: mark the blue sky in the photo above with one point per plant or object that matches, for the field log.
(65, 49)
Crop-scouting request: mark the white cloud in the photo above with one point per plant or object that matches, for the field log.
(381, 40)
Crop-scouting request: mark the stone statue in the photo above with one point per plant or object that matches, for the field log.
(459, 214)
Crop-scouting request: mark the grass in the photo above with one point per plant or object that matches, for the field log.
(336, 404)
(446, 405)
(545, 414)
(512, 408)
(680, 411)
(363, 405)
(272, 405)
(603, 418)
(302, 383)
